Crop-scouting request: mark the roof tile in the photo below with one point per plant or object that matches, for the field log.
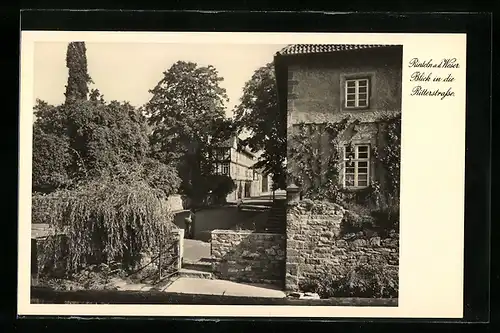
(325, 48)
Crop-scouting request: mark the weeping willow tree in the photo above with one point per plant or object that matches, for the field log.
(116, 218)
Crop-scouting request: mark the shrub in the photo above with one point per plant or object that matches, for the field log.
(51, 159)
(368, 281)
(387, 219)
(108, 219)
(219, 186)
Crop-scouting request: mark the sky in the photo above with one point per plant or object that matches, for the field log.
(127, 71)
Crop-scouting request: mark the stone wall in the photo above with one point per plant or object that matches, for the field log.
(246, 256)
(315, 243)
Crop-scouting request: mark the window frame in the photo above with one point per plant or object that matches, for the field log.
(356, 93)
(356, 160)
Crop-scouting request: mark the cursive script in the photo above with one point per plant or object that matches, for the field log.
(444, 63)
(419, 91)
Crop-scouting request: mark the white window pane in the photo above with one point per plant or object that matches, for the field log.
(350, 104)
(363, 155)
(363, 183)
(362, 148)
(362, 83)
(362, 177)
(362, 170)
(351, 84)
(362, 89)
(351, 90)
(362, 96)
(363, 164)
(349, 170)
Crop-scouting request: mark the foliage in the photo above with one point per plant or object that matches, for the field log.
(220, 186)
(94, 137)
(78, 77)
(104, 135)
(161, 176)
(367, 281)
(319, 176)
(51, 159)
(258, 113)
(113, 218)
(316, 172)
(318, 207)
(391, 156)
(50, 119)
(187, 117)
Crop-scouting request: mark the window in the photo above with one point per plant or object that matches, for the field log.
(225, 169)
(221, 168)
(356, 166)
(356, 93)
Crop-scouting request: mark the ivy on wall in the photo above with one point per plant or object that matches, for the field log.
(317, 168)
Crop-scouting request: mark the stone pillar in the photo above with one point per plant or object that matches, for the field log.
(292, 264)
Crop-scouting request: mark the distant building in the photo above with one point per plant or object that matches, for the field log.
(236, 161)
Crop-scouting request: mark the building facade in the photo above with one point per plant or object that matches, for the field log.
(337, 98)
(236, 161)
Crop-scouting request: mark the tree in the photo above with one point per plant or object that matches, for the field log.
(259, 114)
(105, 134)
(187, 116)
(78, 77)
(51, 160)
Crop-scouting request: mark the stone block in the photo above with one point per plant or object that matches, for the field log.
(292, 269)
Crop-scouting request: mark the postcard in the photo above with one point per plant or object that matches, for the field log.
(315, 175)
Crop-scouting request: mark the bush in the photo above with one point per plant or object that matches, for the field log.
(107, 219)
(365, 281)
(51, 159)
(387, 219)
(218, 186)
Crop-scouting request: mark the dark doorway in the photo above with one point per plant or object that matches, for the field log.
(265, 183)
(240, 190)
(248, 188)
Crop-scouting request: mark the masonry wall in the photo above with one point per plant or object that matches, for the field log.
(248, 257)
(316, 243)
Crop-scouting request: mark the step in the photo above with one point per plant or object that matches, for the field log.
(192, 273)
(198, 266)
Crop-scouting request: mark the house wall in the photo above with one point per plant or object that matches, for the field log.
(315, 244)
(248, 257)
(316, 85)
(315, 96)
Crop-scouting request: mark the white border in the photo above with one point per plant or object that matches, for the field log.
(432, 186)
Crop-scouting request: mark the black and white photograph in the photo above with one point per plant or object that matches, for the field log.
(219, 171)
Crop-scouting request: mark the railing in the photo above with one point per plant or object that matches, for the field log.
(167, 263)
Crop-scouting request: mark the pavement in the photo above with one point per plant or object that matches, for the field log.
(195, 250)
(222, 287)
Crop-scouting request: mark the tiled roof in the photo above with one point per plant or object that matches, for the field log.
(325, 48)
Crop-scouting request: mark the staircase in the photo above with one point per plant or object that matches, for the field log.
(201, 269)
(276, 222)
